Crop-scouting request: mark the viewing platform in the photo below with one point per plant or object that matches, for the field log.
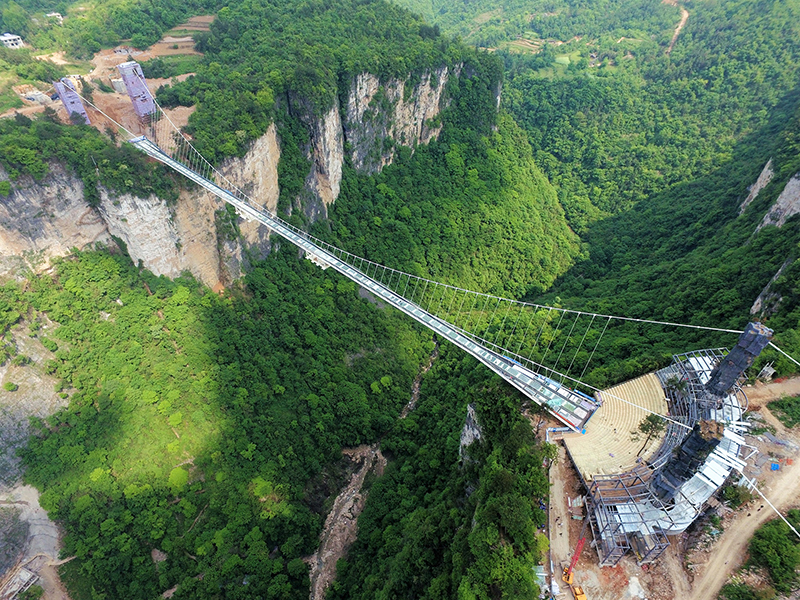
(607, 446)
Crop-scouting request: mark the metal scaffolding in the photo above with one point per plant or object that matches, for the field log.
(622, 514)
(635, 510)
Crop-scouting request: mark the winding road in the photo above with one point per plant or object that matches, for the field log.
(684, 18)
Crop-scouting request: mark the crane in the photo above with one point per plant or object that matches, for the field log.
(577, 590)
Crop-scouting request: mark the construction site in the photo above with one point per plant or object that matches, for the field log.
(638, 493)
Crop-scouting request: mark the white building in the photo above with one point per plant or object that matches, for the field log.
(11, 41)
(57, 16)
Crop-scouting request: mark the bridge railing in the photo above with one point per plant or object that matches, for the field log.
(540, 389)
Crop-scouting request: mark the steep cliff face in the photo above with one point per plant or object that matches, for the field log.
(146, 227)
(213, 254)
(752, 192)
(327, 142)
(768, 300)
(41, 220)
(381, 116)
(470, 433)
(787, 204)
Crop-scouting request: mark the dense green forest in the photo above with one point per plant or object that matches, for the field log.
(196, 421)
(635, 125)
(624, 121)
(469, 210)
(439, 527)
(302, 52)
(664, 145)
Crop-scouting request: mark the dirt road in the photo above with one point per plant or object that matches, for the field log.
(684, 18)
(559, 512)
(730, 551)
(761, 393)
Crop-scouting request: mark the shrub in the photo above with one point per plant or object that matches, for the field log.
(49, 344)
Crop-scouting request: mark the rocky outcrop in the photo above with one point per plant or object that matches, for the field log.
(214, 256)
(787, 204)
(146, 227)
(470, 433)
(383, 115)
(327, 142)
(42, 220)
(768, 300)
(256, 174)
(378, 118)
(752, 192)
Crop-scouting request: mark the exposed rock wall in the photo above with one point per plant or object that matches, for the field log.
(752, 192)
(471, 432)
(768, 300)
(379, 117)
(787, 204)
(327, 142)
(210, 255)
(41, 220)
(146, 227)
(379, 112)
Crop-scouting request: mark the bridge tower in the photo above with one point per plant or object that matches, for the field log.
(141, 98)
(70, 99)
(751, 342)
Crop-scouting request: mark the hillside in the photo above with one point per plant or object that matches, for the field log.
(652, 147)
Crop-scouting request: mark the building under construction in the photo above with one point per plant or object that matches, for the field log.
(65, 88)
(662, 492)
(141, 98)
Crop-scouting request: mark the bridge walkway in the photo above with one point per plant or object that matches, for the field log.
(570, 407)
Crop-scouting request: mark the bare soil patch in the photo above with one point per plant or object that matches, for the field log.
(58, 58)
(199, 23)
(105, 62)
(171, 46)
(117, 106)
(27, 110)
(762, 393)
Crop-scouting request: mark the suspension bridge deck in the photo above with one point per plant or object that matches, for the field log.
(608, 447)
(571, 407)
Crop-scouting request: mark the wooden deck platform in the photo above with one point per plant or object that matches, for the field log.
(607, 446)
